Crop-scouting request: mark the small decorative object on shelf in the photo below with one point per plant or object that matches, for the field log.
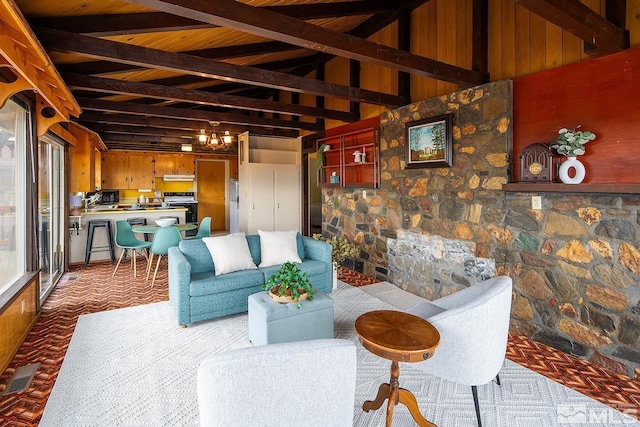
(536, 163)
(354, 156)
(357, 156)
(571, 143)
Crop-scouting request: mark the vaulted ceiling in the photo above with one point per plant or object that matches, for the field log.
(149, 74)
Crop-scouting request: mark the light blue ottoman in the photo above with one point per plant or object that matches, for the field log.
(272, 322)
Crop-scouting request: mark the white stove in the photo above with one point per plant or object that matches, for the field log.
(185, 199)
(179, 197)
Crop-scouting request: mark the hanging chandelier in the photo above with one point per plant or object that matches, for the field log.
(217, 140)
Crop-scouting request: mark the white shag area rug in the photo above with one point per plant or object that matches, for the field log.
(136, 367)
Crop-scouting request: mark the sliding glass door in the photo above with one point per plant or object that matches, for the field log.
(51, 219)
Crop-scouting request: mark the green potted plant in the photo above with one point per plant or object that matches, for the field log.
(289, 284)
(341, 248)
(571, 143)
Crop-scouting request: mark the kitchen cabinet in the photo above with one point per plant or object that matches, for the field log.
(351, 160)
(84, 158)
(126, 170)
(164, 165)
(185, 164)
(171, 164)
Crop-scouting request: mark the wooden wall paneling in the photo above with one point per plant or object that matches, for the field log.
(375, 77)
(336, 72)
(523, 42)
(15, 323)
(553, 46)
(464, 33)
(81, 162)
(495, 40)
(421, 38)
(572, 48)
(509, 30)
(633, 21)
(588, 93)
(537, 40)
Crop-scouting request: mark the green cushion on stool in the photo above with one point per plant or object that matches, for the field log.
(272, 322)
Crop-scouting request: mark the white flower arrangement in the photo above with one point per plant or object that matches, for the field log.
(571, 143)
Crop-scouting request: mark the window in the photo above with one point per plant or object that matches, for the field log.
(13, 178)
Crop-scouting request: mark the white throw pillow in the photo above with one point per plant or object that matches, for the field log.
(230, 253)
(278, 247)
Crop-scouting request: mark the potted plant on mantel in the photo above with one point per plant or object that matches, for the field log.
(571, 143)
(289, 284)
(341, 249)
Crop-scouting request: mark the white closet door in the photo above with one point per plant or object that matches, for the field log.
(287, 199)
(262, 200)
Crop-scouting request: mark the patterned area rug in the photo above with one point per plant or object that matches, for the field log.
(135, 366)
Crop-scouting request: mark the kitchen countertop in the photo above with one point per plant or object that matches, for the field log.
(101, 210)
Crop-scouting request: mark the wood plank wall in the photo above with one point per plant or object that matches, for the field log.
(520, 44)
(602, 95)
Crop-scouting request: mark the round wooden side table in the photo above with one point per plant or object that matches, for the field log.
(399, 337)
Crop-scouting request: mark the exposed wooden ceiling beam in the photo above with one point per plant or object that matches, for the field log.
(90, 104)
(584, 23)
(100, 84)
(275, 26)
(192, 126)
(111, 136)
(152, 22)
(168, 147)
(104, 68)
(176, 62)
(124, 129)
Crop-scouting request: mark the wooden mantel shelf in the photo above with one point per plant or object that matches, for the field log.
(552, 187)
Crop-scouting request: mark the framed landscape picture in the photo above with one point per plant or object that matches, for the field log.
(429, 142)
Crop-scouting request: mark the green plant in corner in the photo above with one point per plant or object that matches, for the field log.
(290, 281)
(571, 143)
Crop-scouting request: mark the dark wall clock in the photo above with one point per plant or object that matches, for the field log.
(536, 163)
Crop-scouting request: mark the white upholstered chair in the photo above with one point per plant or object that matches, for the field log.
(305, 383)
(474, 328)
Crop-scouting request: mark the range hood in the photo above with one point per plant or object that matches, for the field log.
(178, 177)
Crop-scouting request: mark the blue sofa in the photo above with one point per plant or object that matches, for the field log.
(197, 294)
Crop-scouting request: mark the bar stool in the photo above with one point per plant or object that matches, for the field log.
(139, 221)
(90, 248)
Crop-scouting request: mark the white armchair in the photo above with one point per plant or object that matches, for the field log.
(474, 328)
(306, 383)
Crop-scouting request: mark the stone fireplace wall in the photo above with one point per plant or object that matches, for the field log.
(434, 267)
(575, 263)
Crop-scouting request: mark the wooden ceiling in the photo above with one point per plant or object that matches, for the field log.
(149, 74)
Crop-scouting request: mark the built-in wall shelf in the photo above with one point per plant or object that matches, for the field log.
(340, 155)
(553, 187)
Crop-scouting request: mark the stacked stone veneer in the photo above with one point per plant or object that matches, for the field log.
(575, 263)
(433, 267)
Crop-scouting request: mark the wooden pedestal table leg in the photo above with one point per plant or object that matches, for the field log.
(409, 400)
(383, 392)
(396, 395)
